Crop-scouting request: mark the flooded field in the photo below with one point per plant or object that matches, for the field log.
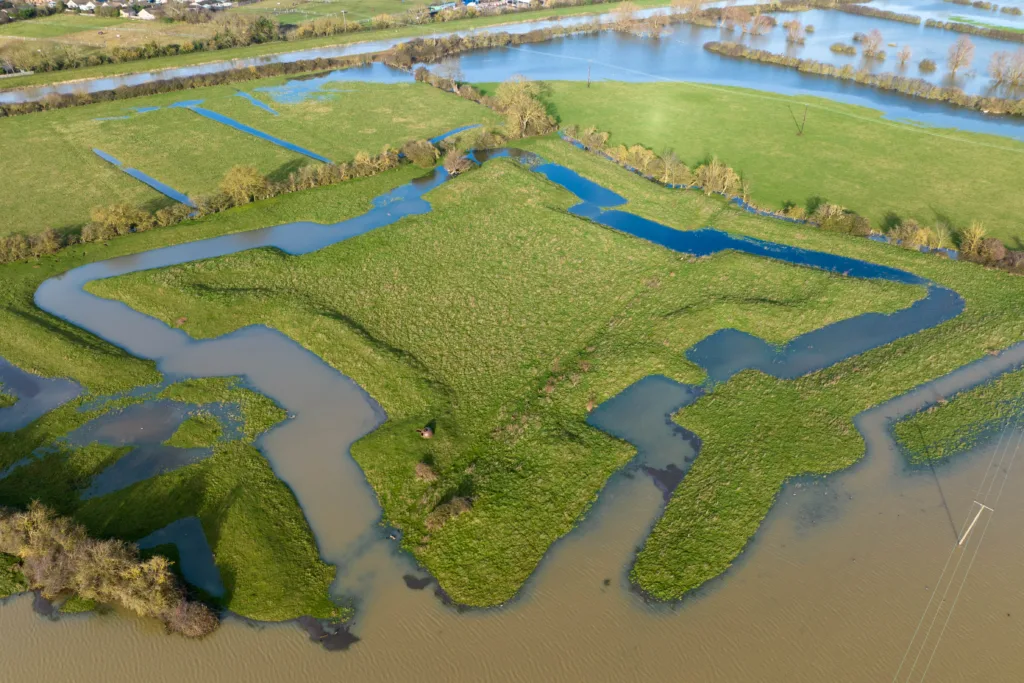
(677, 56)
(833, 588)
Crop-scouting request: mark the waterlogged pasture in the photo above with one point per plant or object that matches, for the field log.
(847, 155)
(506, 375)
(50, 150)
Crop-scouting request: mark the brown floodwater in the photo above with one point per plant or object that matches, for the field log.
(832, 589)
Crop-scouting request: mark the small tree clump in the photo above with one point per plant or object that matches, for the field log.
(927, 66)
(970, 239)
(59, 559)
(715, 176)
(519, 99)
(455, 162)
(244, 184)
(421, 153)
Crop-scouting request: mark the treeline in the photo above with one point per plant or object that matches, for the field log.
(236, 30)
(914, 87)
(517, 99)
(242, 74)
(60, 560)
(241, 185)
(982, 4)
(715, 177)
(866, 11)
(988, 32)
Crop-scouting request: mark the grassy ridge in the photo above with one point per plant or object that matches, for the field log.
(956, 426)
(848, 155)
(52, 151)
(497, 318)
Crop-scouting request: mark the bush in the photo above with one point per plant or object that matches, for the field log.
(244, 184)
(455, 162)
(59, 560)
(714, 176)
(927, 66)
(420, 152)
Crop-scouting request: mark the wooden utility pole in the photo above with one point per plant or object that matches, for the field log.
(588, 74)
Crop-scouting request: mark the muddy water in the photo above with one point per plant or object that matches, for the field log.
(831, 590)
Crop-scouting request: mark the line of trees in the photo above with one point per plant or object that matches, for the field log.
(866, 11)
(241, 185)
(235, 30)
(60, 560)
(715, 177)
(239, 75)
(988, 32)
(913, 87)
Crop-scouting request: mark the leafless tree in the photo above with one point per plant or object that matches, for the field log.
(794, 32)
(762, 24)
(904, 55)
(961, 54)
(872, 43)
(1006, 68)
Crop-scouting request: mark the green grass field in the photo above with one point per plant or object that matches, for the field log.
(297, 11)
(848, 155)
(532, 313)
(49, 159)
(954, 427)
(57, 25)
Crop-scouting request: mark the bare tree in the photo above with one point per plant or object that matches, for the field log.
(762, 24)
(736, 16)
(624, 16)
(794, 32)
(451, 70)
(872, 43)
(961, 54)
(1006, 68)
(904, 55)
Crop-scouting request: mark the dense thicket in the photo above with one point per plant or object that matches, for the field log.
(60, 560)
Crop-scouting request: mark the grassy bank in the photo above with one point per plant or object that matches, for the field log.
(956, 426)
(497, 318)
(50, 153)
(847, 155)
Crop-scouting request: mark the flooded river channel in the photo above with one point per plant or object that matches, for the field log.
(833, 588)
(677, 56)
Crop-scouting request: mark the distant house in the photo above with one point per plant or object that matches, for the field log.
(145, 15)
(87, 7)
(71, 4)
(128, 12)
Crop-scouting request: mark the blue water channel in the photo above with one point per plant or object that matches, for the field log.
(162, 188)
(329, 412)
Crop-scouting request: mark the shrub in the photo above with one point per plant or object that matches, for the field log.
(455, 162)
(927, 66)
(244, 184)
(59, 559)
(970, 239)
(714, 176)
(843, 49)
(420, 152)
